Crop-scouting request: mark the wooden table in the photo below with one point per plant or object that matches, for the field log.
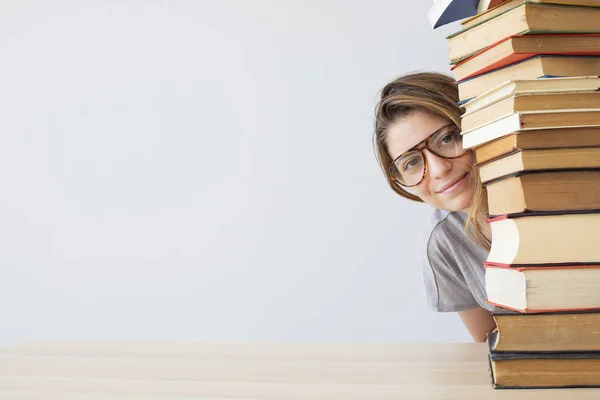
(72, 370)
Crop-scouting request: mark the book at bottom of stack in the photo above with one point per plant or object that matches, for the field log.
(547, 350)
(543, 277)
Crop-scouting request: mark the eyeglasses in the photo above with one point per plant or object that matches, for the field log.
(410, 167)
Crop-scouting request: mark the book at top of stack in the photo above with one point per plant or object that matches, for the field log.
(528, 76)
(524, 17)
(524, 39)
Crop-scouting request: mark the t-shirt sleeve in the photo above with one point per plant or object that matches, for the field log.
(446, 289)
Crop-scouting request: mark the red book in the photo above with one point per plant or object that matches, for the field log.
(516, 48)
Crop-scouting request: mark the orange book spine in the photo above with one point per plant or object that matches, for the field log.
(488, 264)
(516, 57)
(498, 218)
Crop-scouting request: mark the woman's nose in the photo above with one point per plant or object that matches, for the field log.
(437, 167)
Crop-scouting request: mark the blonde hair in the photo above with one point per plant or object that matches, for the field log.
(436, 94)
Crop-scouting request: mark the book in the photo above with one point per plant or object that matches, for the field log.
(520, 47)
(544, 191)
(569, 331)
(526, 240)
(543, 370)
(519, 122)
(523, 86)
(543, 289)
(526, 18)
(535, 102)
(510, 4)
(531, 68)
(485, 5)
(540, 160)
(537, 139)
(443, 12)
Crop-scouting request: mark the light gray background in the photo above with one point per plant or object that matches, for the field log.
(203, 170)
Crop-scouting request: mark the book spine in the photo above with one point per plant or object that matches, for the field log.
(534, 267)
(498, 218)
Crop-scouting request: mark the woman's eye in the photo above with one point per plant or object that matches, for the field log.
(449, 138)
(412, 163)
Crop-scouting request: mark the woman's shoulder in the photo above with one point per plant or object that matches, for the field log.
(446, 233)
(451, 264)
(444, 222)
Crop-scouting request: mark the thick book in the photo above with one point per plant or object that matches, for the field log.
(567, 331)
(507, 5)
(537, 139)
(536, 67)
(542, 239)
(515, 370)
(531, 86)
(540, 160)
(543, 288)
(528, 121)
(532, 102)
(520, 47)
(524, 19)
(543, 191)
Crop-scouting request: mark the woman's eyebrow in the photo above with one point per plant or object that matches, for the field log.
(430, 135)
(442, 128)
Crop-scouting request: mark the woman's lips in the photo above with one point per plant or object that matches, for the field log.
(452, 186)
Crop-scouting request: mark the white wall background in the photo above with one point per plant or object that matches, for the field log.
(203, 170)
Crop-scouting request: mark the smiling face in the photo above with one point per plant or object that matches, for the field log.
(448, 184)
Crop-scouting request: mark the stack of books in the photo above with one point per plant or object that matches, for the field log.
(525, 39)
(527, 74)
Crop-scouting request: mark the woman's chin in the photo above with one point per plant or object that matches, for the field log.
(460, 202)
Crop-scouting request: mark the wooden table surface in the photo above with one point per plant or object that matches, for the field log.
(72, 370)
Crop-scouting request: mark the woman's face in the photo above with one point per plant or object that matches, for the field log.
(448, 184)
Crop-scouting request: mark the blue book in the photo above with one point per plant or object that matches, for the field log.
(443, 12)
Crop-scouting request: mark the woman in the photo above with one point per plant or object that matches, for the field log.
(418, 145)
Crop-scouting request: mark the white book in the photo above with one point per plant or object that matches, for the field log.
(533, 86)
(524, 121)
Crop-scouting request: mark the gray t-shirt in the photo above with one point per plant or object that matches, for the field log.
(453, 265)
